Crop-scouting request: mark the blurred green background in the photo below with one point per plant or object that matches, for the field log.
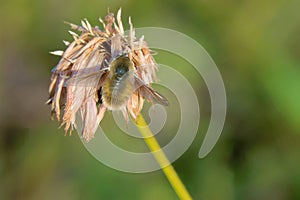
(255, 44)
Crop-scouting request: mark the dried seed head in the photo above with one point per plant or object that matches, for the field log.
(77, 80)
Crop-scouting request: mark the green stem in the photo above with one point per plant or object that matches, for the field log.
(162, 160)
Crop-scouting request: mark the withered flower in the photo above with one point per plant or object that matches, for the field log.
(102, 69)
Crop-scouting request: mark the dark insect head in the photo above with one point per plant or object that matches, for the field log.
(121, 69)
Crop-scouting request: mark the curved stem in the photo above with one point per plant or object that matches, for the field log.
(161, 158)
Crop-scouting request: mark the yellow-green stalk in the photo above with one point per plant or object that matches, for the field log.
(162, 160)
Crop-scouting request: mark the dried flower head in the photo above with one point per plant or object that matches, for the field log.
(102, 69)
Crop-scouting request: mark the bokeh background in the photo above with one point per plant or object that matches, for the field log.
(255, 44)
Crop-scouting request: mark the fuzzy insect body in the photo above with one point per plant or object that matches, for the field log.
(119, 85)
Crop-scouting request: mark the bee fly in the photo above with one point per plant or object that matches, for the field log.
(119, 85)
(118, 82)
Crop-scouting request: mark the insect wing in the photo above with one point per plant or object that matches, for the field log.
(92, 79)
(150, 94)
